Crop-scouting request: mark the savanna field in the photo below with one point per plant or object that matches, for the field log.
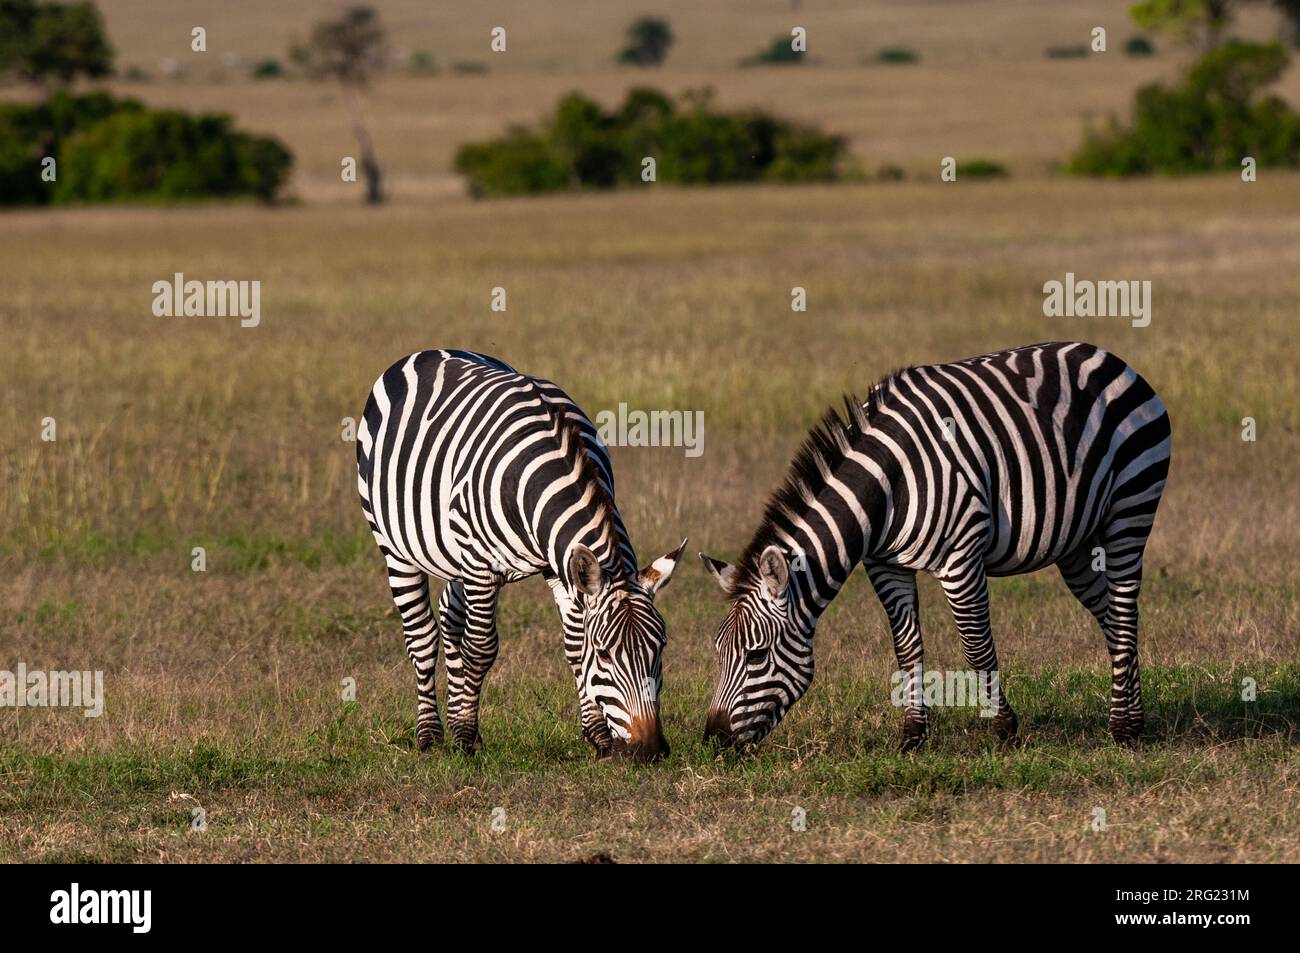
(223, 688)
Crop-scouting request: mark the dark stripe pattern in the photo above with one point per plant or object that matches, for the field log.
(1053, 454)
(475, 474)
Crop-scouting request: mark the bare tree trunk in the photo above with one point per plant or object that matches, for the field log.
(369, 164)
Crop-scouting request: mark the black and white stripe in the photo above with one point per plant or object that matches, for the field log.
(993, 466)
(475, 474)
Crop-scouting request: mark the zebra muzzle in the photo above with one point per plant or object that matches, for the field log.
(646, 742)
(717, 730)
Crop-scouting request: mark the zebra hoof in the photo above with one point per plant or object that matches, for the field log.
(1126, 731)
(426, 738)
(467, 744)
(913, 734)
(1005, 726)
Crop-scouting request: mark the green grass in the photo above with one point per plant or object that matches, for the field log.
(356, 774)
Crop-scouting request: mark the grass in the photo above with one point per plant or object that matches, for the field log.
(351, 786)
(223, 687)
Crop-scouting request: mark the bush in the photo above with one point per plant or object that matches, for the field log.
(267, 69)
(517, 164)
(1065, 52)
(890, 172)
(1138, 46)
(1210, 122)
(780, 52)
(169, 155)
(648, 41)
(469, 67)
(583, 146)
(109, 149)
(20, 175)
(422, 63)
(981, 169)
(31, 132)
(897, 55)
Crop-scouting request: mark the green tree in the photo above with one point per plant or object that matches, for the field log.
(351, 50)
(53, 43)
(648, 40)
(1204, 23)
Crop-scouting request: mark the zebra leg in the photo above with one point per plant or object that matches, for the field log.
(410, 589)
(968, 596)
(470, 651)
(594, 727)
(896, 589)
(1120, 625)
(1087, 578)
(1087, 583)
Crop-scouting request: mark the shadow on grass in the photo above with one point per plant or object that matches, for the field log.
(1182, 704)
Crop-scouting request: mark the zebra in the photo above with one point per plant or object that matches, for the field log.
(475, 474)
(997, 465)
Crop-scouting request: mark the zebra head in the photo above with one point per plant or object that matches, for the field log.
(764, 648)
(622, 654)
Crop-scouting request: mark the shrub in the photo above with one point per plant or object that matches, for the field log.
(891, 173)
(108, 149)
(1210, 122)
(470, 67)
(897, 55)
(169, 155)
(517, 164)
(422, 63)
(780, 52)
(981, 169)
(804, 154)
(30, 132)
(1065, 52)
(267, 69)
(648, 41)
(20, 174)
(582, 145)
(1138, 46)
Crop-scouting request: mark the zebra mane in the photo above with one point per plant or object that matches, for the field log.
(825, 447)
(573, 442)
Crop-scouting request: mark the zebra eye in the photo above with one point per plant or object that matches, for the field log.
(755, 656)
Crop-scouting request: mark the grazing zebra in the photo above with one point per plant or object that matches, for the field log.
(993, 466)
(478, 475)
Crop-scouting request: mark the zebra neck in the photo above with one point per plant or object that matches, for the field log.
(836, 528)
(593, 526)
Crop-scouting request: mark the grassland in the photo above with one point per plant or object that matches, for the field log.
(223, 687)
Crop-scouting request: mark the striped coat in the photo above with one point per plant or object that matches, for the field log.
(476, 475)
(1053, 454)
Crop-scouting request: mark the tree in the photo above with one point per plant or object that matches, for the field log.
(53, 42)
(1203, 24)
(352, 50)
(648, 40)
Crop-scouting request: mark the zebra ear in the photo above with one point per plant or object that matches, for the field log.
(655, 576)
(774, 570)
(585, 574)
(722, 572)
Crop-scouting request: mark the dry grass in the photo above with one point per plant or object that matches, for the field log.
(223, 687)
